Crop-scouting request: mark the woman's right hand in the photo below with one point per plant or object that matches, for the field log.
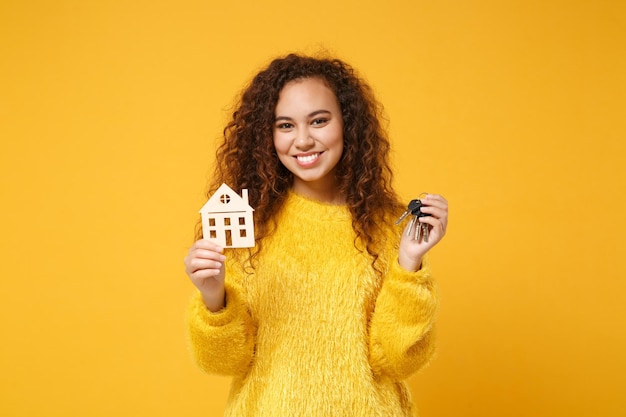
(204, 264)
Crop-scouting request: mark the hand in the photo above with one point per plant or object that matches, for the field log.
(412, 251)
(204, 264)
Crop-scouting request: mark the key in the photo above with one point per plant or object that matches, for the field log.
(413, 205)
(418, 229)
(421, 229)
(425, 232)
(411, 224)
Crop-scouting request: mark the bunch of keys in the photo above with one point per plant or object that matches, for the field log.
(421, 229)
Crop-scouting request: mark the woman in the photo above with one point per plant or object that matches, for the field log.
(335, 305)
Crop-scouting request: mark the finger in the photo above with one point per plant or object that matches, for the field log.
(438, 212)
(435, 205)
(204, 274)
(437, 224)
(207, 254)
(198, 264)
(207, 245)
(435, 200)
(434, 197)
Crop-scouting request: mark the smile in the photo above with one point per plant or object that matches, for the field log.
(307, 159)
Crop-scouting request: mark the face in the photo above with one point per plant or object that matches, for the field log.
(308, 136)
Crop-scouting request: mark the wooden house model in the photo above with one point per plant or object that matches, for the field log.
(227, 219)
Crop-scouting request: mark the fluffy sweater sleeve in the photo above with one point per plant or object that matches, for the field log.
(223, 342)
(401, 327)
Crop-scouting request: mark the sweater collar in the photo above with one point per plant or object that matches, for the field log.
(299, 205)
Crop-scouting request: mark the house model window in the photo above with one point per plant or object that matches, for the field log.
(227, 219)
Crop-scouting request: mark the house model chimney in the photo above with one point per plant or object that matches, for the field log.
(244, 195)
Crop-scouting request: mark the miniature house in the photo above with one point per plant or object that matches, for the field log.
(227, 219)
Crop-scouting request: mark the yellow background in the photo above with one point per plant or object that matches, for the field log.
(514, 110)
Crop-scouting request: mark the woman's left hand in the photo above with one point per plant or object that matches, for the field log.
(412, 251)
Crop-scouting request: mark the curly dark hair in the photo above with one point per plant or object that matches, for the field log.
(247, 158)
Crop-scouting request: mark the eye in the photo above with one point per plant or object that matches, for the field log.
(319, 121)
(284, 126)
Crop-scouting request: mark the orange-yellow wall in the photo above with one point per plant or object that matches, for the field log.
(515, 110)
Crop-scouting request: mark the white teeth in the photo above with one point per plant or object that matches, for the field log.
(308, 158)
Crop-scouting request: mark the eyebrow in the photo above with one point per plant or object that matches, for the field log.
(312, 114)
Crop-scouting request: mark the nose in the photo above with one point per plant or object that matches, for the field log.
(303, 140)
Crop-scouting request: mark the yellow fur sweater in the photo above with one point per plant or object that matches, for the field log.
(313, 330)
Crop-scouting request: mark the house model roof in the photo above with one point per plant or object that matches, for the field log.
(226, 200)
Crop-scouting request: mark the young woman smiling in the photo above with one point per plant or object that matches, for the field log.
(335, 306)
